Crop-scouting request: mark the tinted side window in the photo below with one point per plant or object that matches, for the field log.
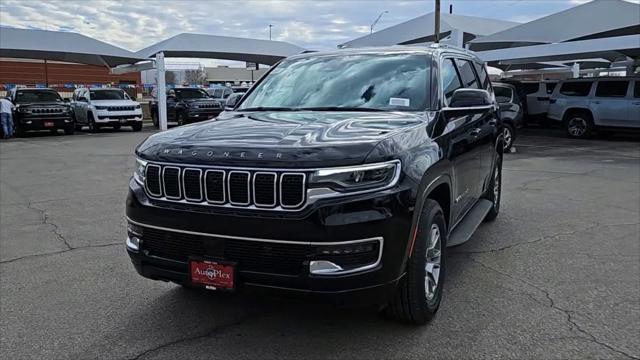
(503, 94)
(482, 74)
(468, 75)
(450, 80)
(576, 88)
(530, 88)
(612, 88)
(551, 87)
(636, 91)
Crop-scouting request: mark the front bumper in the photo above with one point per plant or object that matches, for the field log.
(201, 115)
(27, 123)
(115, 118)
(323, 225)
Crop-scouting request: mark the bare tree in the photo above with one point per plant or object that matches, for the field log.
(196, 76)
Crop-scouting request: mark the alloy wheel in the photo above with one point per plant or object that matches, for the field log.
(577, 126)
(507, 137)
(496, 185)
(432, 263)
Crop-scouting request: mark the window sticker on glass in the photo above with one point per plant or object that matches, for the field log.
(399, 102)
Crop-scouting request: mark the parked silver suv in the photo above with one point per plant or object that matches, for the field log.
(582, 105)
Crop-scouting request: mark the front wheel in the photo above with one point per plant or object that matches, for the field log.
(182, 118)
(419, 292)
(93, 127)
(154, 119)
(578, 125)
(508, 137)
(70, 130)
(137, 126)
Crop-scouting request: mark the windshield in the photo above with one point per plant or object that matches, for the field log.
(215, 93)
(503, 94)
(190, 94)
(31, 96)
(360, 81)
(106, 95)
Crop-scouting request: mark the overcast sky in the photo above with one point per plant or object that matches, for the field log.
(317, 25)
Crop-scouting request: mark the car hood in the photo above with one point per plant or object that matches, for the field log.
(291, 139)
(114, 102)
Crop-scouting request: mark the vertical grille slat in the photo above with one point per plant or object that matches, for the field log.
(239, 187)
(214, 186)
(292, 190)
(277, 190)
(191, 182)
(264, 189)
(171, 182)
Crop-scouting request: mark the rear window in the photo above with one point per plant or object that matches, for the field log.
(612, 88)
(576, 88)
(530, 88)
(503, 94)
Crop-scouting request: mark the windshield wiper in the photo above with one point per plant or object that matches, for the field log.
(339, 108)
(268, 108)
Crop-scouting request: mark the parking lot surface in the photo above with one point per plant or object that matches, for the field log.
(556, 276)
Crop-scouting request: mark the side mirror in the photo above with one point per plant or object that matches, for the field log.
(67, 100)
(465, 98)
(83, 99)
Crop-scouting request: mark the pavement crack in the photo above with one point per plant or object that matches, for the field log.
(60, 252)
(209, 333)
(55, 228)
(552, 304)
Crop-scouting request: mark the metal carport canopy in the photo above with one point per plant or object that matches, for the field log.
(61, 46)
(222, 47)
(606, 48)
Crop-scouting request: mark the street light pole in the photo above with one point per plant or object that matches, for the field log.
(375, 22)
(270, 26)
(437, 22)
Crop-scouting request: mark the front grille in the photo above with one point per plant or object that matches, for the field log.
(120, 108)
(208, 106)
(46, 110)
(223, 187)
(251, 255)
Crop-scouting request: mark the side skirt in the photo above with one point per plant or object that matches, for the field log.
(465, 228)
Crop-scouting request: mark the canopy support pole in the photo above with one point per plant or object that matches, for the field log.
(161, 92)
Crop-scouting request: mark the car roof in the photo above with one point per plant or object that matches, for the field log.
(102, 88)
(433, 49)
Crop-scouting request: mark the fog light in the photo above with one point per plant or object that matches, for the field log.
(323, 267)
(133, 243)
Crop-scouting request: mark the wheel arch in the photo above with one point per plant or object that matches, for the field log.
(576, 109)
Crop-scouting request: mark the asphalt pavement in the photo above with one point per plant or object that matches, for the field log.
(557, 276)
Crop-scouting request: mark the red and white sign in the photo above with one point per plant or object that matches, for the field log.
(212, 274)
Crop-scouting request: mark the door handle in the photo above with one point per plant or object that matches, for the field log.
(475, 132)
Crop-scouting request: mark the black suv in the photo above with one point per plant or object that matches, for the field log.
(40, 109)
(186, 105)
(342, 176)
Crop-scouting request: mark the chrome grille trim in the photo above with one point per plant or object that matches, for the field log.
(224, 191)
(275, 182)
(303, 189)
(184, 171)
(164, 189)
(146, 177)
(248, 188)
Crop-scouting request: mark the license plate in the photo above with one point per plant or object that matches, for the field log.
(212, 274)
(48, 124)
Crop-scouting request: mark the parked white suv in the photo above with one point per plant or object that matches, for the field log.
(100, 107)
(583, 105)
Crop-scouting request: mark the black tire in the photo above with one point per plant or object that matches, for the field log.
(78, 127)
(117, 127)
(578, 124)
(18, 131)
(154, 120)
(182, 118)
(137, 126)
(69, 130)
(53, 131)
(494, 193)
(509, 137)
(411, 302)
(93, 127)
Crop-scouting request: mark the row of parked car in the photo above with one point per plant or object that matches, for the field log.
(45, 109)
(579, 106)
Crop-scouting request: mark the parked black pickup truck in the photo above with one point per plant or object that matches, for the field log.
(40, 109)
(186, 105)
(339, 176)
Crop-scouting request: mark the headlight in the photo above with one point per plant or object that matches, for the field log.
(357, 178)
(102, 107)
(139, 171)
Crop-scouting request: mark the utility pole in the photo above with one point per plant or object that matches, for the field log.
(270, 26)
(376, 21)
(437, 22)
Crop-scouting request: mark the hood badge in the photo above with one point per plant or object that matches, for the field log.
(223, 154)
